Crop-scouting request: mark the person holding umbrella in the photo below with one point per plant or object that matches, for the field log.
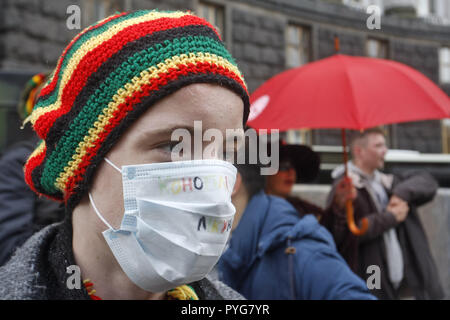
(395, 240)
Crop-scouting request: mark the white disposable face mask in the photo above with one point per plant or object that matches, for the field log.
(178, 216)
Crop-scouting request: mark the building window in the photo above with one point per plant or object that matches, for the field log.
(377, 48)
(444, 65)
(298, 53)
(303, 136)
(298, 46)
(363, 4)
(355, 3)
(215, 15)
(445, 136)
(432, 7)
(95, 10)
(426, 8)
(434, 11)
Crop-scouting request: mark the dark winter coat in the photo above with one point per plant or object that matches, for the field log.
(22, 212)
(420, 272)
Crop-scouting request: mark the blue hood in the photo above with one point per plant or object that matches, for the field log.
(267, 224)
(258, 265)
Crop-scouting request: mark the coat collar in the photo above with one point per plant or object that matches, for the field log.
(360, 179)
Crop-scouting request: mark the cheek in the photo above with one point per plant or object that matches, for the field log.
(114, 204)
(282, 181)
(292, 174)
(371, 155)
(282, 176)
(286, 188)
(107, 193)
(275, 181)
(378, 154)
(271, 180)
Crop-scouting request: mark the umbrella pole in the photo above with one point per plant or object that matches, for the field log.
(344, 145)
(349, 203)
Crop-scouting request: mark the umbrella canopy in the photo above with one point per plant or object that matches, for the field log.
(346, 92)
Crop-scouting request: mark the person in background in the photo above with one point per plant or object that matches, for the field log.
(274, 253)
(22, 212)
(395, 240)
(299, 164)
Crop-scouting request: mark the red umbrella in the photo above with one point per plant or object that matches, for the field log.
(346, 92)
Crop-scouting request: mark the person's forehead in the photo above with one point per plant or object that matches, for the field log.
(376, 137)
(210, 105)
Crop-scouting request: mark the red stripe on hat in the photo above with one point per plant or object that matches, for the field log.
(125, 107)
(30, 165)
(28, 169)
(96, 57)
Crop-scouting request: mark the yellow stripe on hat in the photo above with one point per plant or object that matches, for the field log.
(38, 150)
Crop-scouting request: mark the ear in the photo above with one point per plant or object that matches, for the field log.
(237, 184)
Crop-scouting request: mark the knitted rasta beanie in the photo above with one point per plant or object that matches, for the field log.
(109, 75)
(29, 94)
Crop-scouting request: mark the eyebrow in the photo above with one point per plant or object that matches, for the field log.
(165, 132)
(162, 133)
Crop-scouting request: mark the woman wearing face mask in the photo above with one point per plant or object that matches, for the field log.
(137, 225)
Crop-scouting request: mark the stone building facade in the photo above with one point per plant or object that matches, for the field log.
(33, 34)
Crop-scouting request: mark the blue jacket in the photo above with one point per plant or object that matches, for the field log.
(275, 254)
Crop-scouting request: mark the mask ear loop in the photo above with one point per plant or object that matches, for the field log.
(113, 165)
(92, 200)
(98, 213)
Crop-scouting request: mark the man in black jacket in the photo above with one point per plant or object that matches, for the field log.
(395, 241)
